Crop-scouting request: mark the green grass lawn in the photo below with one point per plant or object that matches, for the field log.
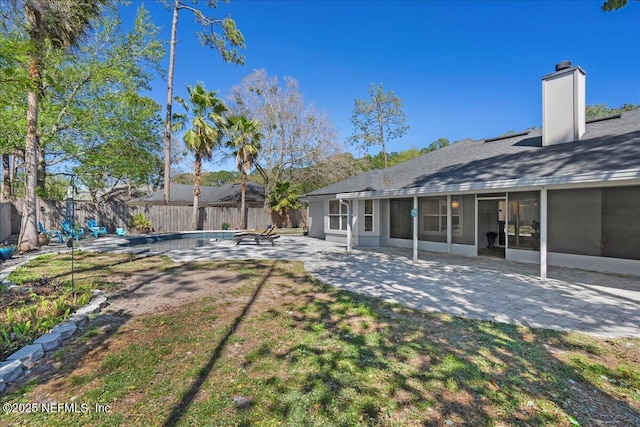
(279, 348)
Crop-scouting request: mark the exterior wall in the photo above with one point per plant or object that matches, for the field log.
(384, 222)
(593, 228)
(592, 263)
(368, 238)
(520, 255)
(316, 218)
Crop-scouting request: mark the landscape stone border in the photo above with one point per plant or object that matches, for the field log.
(22, 360)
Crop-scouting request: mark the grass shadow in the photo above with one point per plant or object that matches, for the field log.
(178, 411)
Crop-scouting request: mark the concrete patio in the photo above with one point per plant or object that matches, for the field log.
(605, 305)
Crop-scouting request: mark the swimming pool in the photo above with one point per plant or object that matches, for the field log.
(175, 241)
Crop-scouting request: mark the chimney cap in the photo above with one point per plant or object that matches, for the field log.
(563, 65)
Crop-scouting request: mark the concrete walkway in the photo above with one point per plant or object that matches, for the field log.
(478, 288)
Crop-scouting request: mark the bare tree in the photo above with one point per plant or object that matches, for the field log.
(296, 134)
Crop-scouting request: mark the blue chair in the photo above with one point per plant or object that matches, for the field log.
(97, 230)
(70, 232)
(50, 233)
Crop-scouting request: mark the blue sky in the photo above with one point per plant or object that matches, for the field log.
(463, 68)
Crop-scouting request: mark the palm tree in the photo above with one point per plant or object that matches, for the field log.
(283, 198)
(60, 24)
(244, 139)
(205, 113)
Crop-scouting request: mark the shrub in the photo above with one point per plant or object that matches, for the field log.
(141, 223)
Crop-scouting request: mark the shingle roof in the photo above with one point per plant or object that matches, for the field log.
(607, 146)
(182, 194)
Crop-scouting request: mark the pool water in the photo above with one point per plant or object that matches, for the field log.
(178, 241)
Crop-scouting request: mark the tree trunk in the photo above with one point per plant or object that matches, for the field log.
(196, 189)
(28, 239)
(41, 175)
(243, 208)
(7, 192)
(384, 148)
(167, 132)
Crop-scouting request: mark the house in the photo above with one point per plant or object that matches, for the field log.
(225, 195)
(564, 195)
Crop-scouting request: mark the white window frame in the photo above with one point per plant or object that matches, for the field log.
(442, 216)
(342, 216)
(369, 215)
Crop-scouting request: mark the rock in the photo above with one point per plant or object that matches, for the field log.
(242, 402)
(28, 354)
(48, 341)
(65, 329)
(10, 370)
(79, 319)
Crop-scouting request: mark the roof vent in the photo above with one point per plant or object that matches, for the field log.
(563, 65)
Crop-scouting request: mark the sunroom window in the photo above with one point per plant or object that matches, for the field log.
(434, 216)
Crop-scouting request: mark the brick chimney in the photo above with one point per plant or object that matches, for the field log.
(563, 104)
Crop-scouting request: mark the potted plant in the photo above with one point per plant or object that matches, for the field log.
(43, 239)
(141, 223)
(6, 252)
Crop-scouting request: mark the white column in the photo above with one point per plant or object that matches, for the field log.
(349, 219)
(543, 234)
(476, 227)
(449, 223)
(415, 229)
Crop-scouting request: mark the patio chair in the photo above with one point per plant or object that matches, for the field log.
(96, 229)
(69, 231)
(51, 233)
(267, 235)
(267, 231)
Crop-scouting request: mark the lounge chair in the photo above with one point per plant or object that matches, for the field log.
(51, 233)
(69, 231)
(97, 230)
(267, 235)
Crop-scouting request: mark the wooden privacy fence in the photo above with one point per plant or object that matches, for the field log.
(5, 220)
(163, 218)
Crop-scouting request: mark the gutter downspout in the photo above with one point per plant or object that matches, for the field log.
(348, 205)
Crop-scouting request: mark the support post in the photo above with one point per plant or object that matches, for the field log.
(543, 234)
(449, 222)
(414, 213)
(348, 205)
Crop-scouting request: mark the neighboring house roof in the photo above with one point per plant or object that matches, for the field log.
(225, 195)
(609, 148)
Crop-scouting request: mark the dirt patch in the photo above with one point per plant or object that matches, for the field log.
(144, 293)
(151, 291)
